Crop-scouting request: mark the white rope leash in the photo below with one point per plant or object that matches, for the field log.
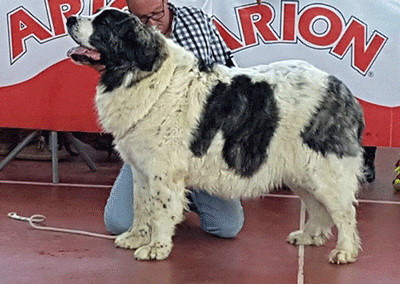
(37, 218)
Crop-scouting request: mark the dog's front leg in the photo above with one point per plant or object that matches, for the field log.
(140, 232)
(165, 204)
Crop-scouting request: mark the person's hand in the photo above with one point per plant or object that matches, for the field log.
(258, 2)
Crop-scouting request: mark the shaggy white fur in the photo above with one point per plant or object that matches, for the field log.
(153, 120)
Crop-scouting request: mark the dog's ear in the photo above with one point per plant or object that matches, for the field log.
(148, 55)
(143, 45)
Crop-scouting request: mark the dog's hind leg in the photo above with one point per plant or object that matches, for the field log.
(335, 189)
(348, 245)
(167, 201)
(318, 226)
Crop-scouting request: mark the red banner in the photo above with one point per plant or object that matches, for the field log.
(60, 98)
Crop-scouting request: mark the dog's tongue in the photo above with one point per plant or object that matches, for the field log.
(80, 51)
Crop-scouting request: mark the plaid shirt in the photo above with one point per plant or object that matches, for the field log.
(194, 30)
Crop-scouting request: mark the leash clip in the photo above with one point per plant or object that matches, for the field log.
(14, 215)
(35, 218)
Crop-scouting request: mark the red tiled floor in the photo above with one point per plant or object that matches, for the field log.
(379, 260)
(259, 254)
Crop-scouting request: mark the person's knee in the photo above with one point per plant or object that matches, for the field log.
(218, 216)
(115, 226)
(230, 229)
(226, 228)
(118, 212)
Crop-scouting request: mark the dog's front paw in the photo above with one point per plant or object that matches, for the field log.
(157, 251)
(340, 256)
(130, 240)
(304, 238)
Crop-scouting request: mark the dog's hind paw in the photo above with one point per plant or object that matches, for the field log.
(304, 238)
(340, 256)
(157, 251)
(128, 240)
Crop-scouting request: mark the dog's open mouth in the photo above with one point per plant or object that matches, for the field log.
(84, 55)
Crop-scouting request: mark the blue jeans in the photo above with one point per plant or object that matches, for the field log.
(220, 217)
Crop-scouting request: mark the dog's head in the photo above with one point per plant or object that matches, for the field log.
(116, 39)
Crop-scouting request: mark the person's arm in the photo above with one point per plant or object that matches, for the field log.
(229, 60)
(221, 52)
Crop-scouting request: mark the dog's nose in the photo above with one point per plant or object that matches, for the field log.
(71, 21)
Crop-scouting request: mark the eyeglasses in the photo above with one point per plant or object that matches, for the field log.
(155, 16)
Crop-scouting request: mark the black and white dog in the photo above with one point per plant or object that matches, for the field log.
(236, 133)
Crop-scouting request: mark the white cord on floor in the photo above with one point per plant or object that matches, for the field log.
(37, 218)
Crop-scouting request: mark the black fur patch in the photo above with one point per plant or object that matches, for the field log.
(124, 43)
(337, 124)
(247, 115)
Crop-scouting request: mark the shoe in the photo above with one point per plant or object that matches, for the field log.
(369, 163)
(369, 173)
(396, 181)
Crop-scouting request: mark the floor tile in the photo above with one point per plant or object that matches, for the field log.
(379, 259)
(259, 252)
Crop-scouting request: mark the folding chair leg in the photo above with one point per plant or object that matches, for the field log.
(72, 140)
(54, 157)
(18, 149)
